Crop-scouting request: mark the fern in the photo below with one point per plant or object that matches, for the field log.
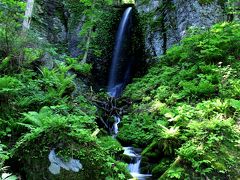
(9, 85)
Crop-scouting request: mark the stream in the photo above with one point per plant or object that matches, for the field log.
(116, 85)
(134, 165)
(133, 153)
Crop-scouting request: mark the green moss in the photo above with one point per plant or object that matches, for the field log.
(111, 145)
(141, 135)
(125, 158)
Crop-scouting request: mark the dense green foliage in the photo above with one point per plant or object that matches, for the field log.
(74, 137)
(72, 120)
(42, 108)
(184, 112)
(186, 108)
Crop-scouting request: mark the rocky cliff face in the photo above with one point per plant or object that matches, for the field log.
(55, 21)
(165, 22)
(171, 20)
(61, 21)
(50, 20)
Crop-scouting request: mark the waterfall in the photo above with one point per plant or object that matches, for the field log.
(115, 87)
(116, 84)
(117, 120)
(134, 165)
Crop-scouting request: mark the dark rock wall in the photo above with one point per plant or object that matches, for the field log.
(50, 20)
(106, 32)
(58, 23)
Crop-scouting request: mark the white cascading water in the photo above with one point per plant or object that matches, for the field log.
(134, 165)
(115, 89)
(117, 120)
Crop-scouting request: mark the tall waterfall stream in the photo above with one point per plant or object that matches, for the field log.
(116, 83)
(115, 89)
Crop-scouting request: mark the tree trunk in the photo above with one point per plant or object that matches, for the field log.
(173, 165)
(28, 15)
(84, 60)
(89, 34)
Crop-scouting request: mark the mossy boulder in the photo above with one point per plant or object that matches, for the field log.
(70, 137)
(125, 158)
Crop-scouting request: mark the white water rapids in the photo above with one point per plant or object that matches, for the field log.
(134, 165)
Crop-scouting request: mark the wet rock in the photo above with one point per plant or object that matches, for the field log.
(74, 40)
(47, 61)
(125, 158)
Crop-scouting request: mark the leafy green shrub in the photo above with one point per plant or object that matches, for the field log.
(9, 85)
(32, 54)
(23, 51)
(111, 145)
(176, 173)
(142, 133)
(188, 103)
(52, 87)
(3, 155)
(11, 14)
(210, 46)
(72, 136)
(213, 149)
(168, 139)
(17, 49)
(79, 67)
